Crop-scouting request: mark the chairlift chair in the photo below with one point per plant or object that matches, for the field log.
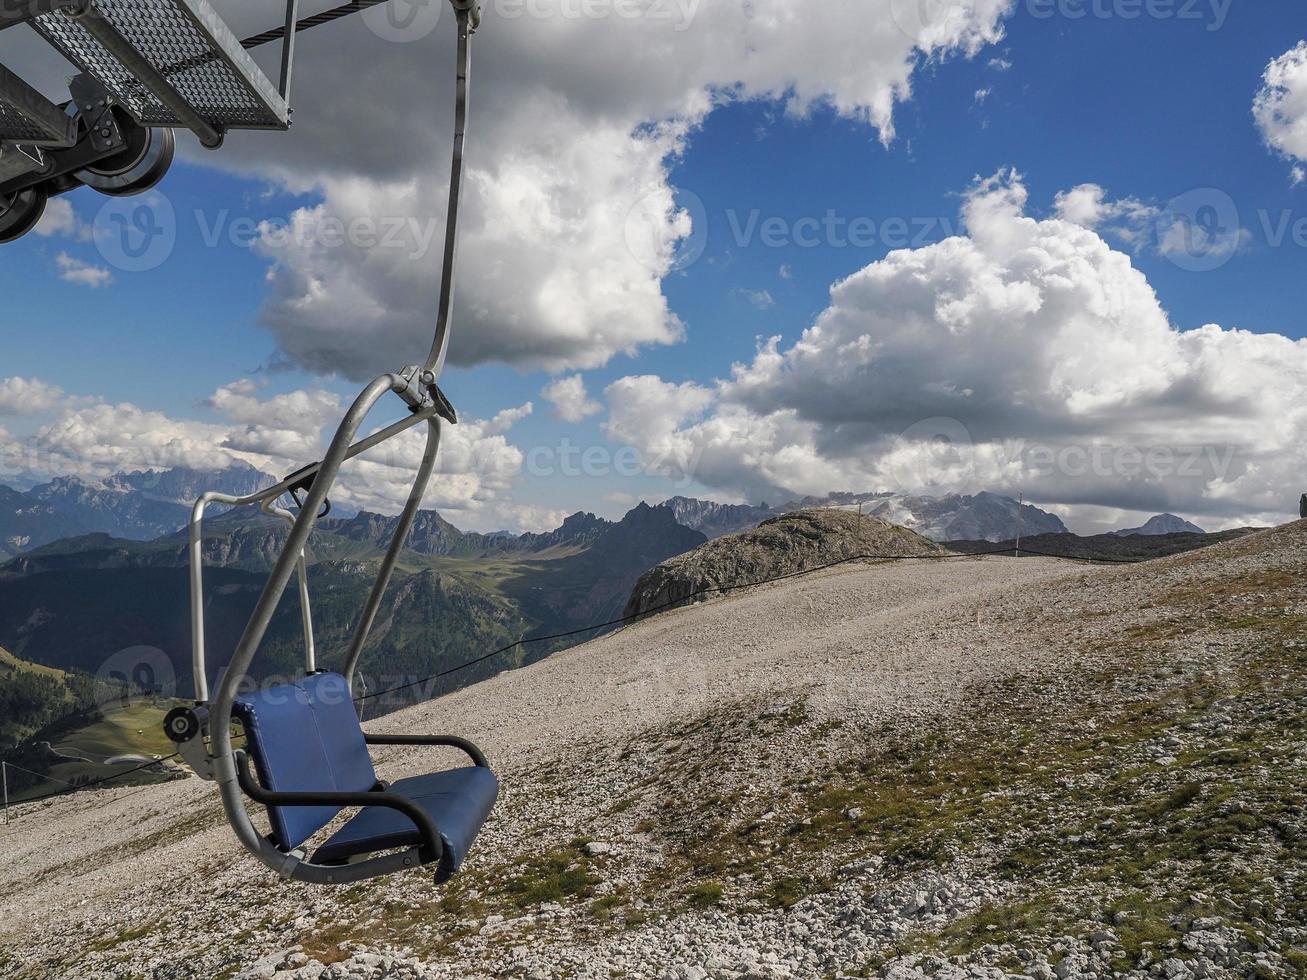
(149, 65)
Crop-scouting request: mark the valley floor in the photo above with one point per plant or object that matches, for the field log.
(980, 767)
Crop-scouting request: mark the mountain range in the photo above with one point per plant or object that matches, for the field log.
(75, 602)
(128, 505)
(93, 568)
(982, 516)
(150, 505)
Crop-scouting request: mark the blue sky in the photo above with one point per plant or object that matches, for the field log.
(1147, 109)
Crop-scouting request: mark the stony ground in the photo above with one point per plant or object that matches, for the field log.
(981, 768)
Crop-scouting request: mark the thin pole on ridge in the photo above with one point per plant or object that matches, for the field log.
(4, 776)
(1021, 503)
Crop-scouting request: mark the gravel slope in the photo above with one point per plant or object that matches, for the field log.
(639, 743)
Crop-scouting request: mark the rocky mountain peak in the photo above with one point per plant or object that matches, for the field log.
(1163, 524)
(779, 546)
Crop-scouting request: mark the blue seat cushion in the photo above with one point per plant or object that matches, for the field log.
(458, 800)
(305, 737)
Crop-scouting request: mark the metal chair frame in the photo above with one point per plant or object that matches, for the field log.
(203, 732)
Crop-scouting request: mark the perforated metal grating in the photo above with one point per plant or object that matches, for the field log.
(17, 127)
(188, 43)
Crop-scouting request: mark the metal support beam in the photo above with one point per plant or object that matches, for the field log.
(288, 46)
(397, 543)
(14, 12)
(149, 76)
(57, 128)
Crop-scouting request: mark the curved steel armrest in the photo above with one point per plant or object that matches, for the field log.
(452, 741)
(432, 847)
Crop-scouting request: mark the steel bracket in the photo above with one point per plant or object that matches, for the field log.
(95, 107)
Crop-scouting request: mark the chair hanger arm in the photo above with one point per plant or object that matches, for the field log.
(432, 848)
(451, 741)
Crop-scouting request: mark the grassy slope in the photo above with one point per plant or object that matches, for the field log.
(33, 696)
(59, 709)
(76, 748)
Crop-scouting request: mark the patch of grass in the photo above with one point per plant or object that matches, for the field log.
(787, 892)
(549, 877)
(706, 894)
(603, 908)
(123, 938)
(325, 947)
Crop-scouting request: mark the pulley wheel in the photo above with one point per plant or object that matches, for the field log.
(20, 212)
(140, 165)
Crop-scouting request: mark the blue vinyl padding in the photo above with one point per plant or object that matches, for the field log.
(305, 737)
(458, 800)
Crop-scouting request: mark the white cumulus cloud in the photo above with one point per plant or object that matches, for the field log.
(575, 123)
(83, 273)
(28, 396)
(60, 219)
(1281, 105)
(1025, 354)
(477, 470)
(572, 403)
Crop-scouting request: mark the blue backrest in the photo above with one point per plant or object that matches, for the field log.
(305, 737)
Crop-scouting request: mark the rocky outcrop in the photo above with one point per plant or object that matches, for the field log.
(781, 546)
(1162, 524)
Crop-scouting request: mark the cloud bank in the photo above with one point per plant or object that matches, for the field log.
(571, 221)
(1023, 355)
(476, 471)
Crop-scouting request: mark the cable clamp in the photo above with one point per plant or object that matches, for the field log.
(422, 394)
